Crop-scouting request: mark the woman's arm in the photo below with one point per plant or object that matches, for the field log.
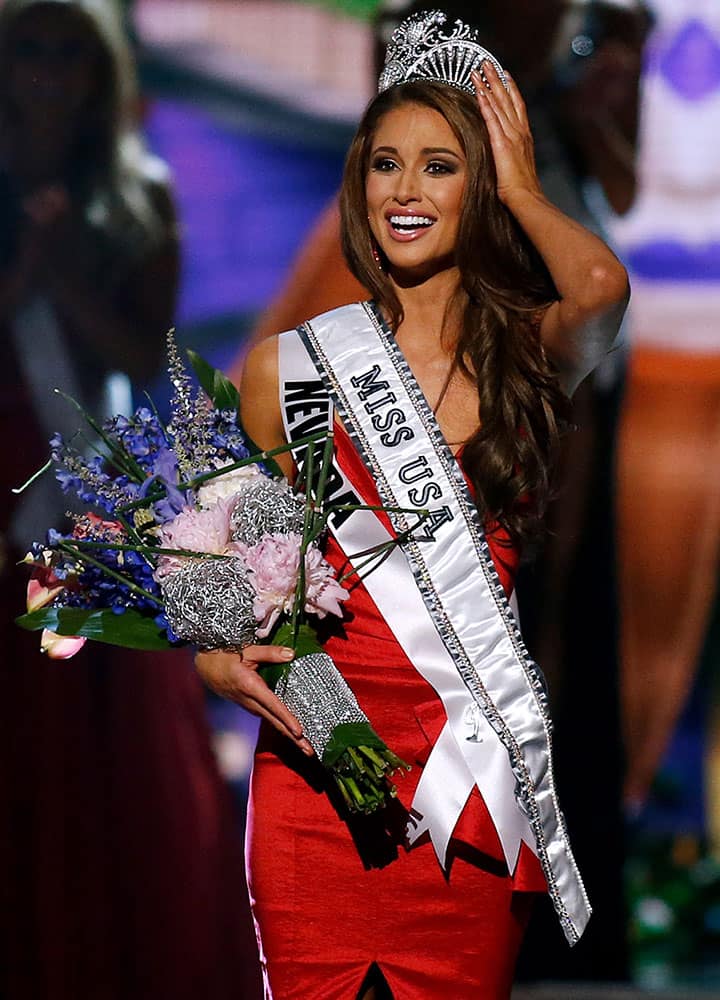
(260, 401)
(592, 284)
(235, 675)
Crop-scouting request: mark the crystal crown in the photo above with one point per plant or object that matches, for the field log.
(420, 49)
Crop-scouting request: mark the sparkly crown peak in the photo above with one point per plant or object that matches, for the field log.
(420, 49)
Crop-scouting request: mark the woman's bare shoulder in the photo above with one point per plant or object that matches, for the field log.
(260, 395)
(261, 361)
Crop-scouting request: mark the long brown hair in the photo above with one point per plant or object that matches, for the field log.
(504, 287)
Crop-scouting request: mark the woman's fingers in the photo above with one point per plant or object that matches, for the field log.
(259, 699)
(485, 102)
(510, 137)
(257, 708)
(267, 654)
(496, 92)
(517, 102)
(234, 676)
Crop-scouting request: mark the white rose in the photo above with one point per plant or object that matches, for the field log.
(227, 485)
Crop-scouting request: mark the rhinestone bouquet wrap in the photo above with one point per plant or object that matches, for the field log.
(190, 538)
(210, 603)
(318, 696)
(218, 603)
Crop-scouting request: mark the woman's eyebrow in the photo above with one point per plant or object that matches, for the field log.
(431, 150)
(427, 151)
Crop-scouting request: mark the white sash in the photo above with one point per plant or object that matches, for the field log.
(440, 596)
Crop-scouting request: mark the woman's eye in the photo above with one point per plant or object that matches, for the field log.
(384, 164)
(439, 167)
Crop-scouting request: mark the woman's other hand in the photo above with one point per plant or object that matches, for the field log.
(507, 123)
(235, 676)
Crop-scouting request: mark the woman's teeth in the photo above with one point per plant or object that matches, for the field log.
(405, 224)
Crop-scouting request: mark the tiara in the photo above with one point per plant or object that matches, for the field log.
(420, 50)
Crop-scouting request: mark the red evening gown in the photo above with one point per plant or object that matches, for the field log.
(332, 896)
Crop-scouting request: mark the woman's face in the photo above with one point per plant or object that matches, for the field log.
(414, 190)
(53, 65)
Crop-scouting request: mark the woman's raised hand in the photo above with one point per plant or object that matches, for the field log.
(234, 676)
(510, 136)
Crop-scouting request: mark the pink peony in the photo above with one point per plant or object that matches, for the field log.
(197, 531)
(274, 563)
(322, 591)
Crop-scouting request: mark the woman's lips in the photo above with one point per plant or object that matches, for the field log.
(405, 228)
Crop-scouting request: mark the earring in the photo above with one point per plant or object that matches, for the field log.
(376, 254)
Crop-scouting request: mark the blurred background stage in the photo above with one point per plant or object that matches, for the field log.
(252, 105)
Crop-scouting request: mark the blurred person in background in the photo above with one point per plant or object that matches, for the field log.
(119, 867)
(668, 478)
(578, 66)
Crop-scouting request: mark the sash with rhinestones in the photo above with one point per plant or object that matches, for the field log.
(439, 593)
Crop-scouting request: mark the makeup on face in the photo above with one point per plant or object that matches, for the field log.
(414, 187)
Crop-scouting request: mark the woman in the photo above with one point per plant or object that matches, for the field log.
(484, 294)
(118, 837)
(669, 453)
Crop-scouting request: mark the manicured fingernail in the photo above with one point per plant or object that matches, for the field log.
(287, 654)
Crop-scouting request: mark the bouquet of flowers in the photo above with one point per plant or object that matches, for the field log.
(190, 538)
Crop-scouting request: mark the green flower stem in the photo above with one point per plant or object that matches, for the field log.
(362, 775)
(420, 511)
(146, 501)
(158, 494)
(132, 531)
(389, 761)
(347, 798)
(374, 560)
(36, 475)
(300, 479)
(153, 550)
(379, 765)
(299, 600)
(377, 554)
(191, 484)
(125, 461)
(318, 521)
(356, 794)
(356, 760)
(83, 557)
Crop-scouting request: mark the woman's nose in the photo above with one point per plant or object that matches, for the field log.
(408, 187)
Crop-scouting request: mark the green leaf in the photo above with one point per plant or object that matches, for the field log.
(225, 396)
(307, 642)
(350, 734)
(130, 629)
(219, 388)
